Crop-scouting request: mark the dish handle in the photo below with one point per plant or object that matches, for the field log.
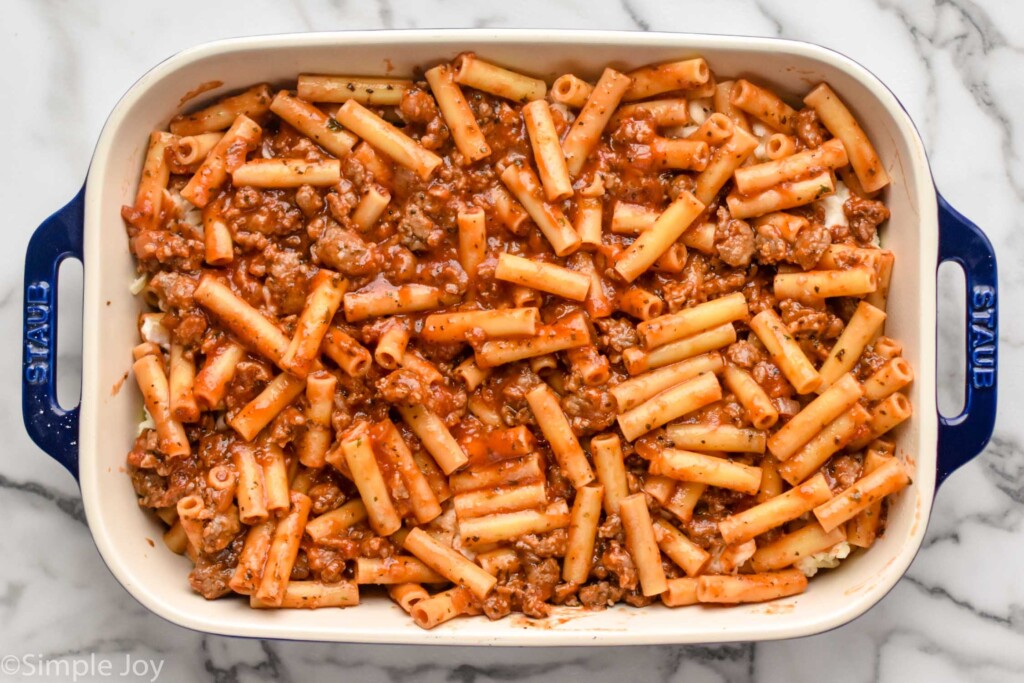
(54, 429)
(964, 436)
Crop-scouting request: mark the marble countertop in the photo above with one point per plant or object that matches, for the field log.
(958, 615)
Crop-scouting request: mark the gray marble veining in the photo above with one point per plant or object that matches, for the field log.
(957, 616)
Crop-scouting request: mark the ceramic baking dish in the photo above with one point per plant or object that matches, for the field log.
(92, 440)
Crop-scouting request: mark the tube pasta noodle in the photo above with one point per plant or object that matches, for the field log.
(606, 451)
(556, 429)
(885, 416)
(351, 356)
(371, 207)
(258, 413)
(841, 123)
(753, 179)
(549, 217)
(885, 480)
(690, 321)
(895, 374)
(222, 160)
(828, 406)
(832, 438)
(640, 540)
(547, 152)
(474, 72)
(457, 114)
(661, 78)
(763, 105)
(781, 197)
(155, 175)
(313, 595)
(390, 140)
(670, 404)
(560, 336)
(546, 277)
(640, 303)
(582, 533)
(866, 321)
(697, 437)
(592, 119)
(373, 303)
(450, 564)
(608, 308)
(571, 91)
(785, 352)
(588, 225)
(472, 239)
(366, 475)
(690, 557)
(776, 511)
(634, 391)
(652, 243)
(750, 587)
(321, 305)
(377, 91)
(253, 103)
(284, 546)
(152, 381)
(435, 436)
(759, 408)
(313, 123)
(638, 361)
(707, 469)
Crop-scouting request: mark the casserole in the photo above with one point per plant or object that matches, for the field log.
(76, 438)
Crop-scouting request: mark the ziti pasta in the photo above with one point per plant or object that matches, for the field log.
(489, 346)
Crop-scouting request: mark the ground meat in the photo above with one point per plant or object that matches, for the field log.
(615, 334)
(600, 595)
(189, 329)
(590, 409)
(498, 603)
(542, 576)
(617, 561)
(417, 231)
(864, 216)
(734, 240)
(806, 321)
(810, 244)
(545, 545)
(344, 251)
(771, 379)
(309, 201)
(211, 574)
(403, 387)
(417, 106)
(770, 246)
(219, 530)
(154, 248)
(809, 129)
(158, 483)
(325, 496)
(842, 471)
(744, 354)
(250, 378)
(174, 290)
(286, 280)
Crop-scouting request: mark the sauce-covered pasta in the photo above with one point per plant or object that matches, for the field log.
(491, 348)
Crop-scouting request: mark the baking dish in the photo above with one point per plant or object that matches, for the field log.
(91, 440)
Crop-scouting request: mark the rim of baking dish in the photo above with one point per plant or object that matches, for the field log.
(165, 608)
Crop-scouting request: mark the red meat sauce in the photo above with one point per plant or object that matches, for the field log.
(283, 237)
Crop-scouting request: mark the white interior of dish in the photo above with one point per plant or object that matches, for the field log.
(130, 540)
